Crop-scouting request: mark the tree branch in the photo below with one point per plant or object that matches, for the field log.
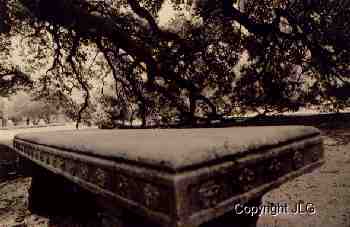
(70, 57)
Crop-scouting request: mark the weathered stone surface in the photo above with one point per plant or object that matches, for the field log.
(177, 177)
(171, 149)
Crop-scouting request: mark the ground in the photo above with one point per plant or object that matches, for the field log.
(327, 188)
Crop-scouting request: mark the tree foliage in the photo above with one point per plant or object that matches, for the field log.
(23, 107)
(211, 60)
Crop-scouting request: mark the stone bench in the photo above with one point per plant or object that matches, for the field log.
(177, 177)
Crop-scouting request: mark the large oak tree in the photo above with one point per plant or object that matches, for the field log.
(213, 59)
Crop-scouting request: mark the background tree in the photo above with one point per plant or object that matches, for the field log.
(211, 60)
(11, 77)
(23, 107)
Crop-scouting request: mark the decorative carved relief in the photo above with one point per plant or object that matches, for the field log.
(298, 160)
(100, 177)
(246, 179)
(53, 160)
(275, 168)
(59, 163)
(50, 159)
(209, 194)
(27, 151)
(122, 185)
(84, 171)
(71, 167)
(43, 157)
(151, 196)
(37, 155)
(31, 152)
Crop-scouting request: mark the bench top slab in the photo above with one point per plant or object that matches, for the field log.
(171, 149)
(176, 177)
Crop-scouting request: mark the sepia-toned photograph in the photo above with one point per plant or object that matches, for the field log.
(174, 113)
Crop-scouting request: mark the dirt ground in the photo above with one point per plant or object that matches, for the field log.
(326, 190)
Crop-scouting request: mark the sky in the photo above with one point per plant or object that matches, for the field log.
(166, 14)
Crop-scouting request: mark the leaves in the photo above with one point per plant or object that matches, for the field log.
(214, 58)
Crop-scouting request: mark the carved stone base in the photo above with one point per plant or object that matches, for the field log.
(228, 220)
(175, 178)
(53, 195)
